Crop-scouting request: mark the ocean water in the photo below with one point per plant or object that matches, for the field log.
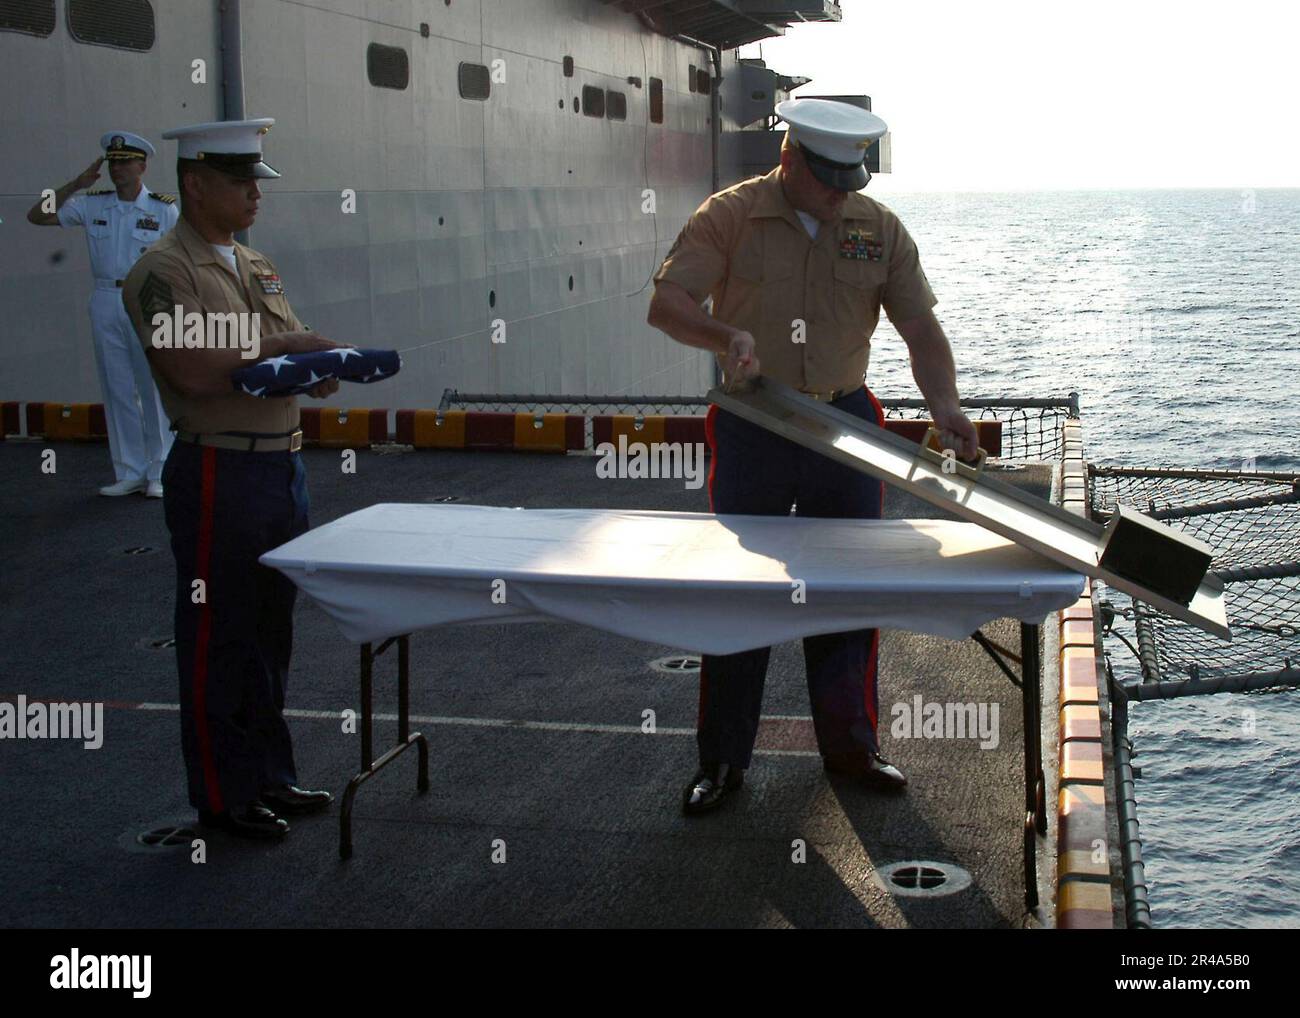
(1174, 314)
(1176, 317)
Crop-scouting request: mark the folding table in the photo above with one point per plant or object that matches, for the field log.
(704, 583)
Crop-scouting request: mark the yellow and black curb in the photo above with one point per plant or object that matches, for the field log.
(1083, 880)
(477, 431)
(58, 422)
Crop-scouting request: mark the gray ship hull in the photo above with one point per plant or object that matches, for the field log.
(503, 245)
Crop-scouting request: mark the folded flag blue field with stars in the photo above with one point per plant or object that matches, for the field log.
(296, 373)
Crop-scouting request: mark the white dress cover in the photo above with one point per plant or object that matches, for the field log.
(699, 582)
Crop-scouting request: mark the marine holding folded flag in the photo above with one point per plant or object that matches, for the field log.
(799, 266)
(234, 481)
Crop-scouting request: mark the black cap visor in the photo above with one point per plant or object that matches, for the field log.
(243, 165)
(841, 176)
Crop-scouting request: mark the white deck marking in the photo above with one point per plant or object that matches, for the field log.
(541, 726)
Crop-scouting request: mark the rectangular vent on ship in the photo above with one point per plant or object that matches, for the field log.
(388, 66)
(124, 24)
(475, 83)
(31, 17)
(593, 101)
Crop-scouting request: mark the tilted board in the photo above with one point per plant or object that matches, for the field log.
(1034, 523)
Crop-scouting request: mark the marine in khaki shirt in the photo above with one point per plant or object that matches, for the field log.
(234, 483)
(184, 269)
(802, 309)
(799, 264)
(748, 250)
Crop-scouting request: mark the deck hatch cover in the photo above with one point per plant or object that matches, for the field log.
(922, 878)
(1031, 522)
(166, 837)
(677, 664)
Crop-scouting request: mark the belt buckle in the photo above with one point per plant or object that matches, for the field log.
(295, 441)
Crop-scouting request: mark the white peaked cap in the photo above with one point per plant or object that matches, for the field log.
(232, 146)
(834, 136)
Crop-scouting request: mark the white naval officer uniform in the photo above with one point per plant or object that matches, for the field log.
(118, 233)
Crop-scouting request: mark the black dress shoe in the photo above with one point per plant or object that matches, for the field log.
(294, 800)
(253, 821)
(870, 769)
(709, 787)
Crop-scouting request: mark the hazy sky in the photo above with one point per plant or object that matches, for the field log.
(1012, 95)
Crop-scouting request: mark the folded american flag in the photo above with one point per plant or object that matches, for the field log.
(297, 373)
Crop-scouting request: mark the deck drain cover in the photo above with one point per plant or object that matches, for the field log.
(167, 837)
(922, 878)
(677, 664)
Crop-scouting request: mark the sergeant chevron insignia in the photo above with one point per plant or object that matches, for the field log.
(156, 297)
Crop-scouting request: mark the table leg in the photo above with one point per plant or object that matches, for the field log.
(1030, 683)
(405, 739)
(1029, 638)
(1035, 811)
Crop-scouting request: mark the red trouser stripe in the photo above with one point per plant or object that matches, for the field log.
(712, 439)
(869, 679)
(873, 652)
(203, 561)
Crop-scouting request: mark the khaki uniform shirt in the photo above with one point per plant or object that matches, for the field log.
(746, 247)
(183, 269)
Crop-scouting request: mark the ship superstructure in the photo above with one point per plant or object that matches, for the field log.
(486, 185)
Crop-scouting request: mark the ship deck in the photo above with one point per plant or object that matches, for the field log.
(535, 738)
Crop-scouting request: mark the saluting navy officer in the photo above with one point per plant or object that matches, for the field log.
(121, 223)
(799, 265)
(235, 486)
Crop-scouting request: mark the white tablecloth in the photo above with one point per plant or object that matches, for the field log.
(711, 584)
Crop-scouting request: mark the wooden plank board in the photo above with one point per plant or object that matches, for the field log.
(1032, 522)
